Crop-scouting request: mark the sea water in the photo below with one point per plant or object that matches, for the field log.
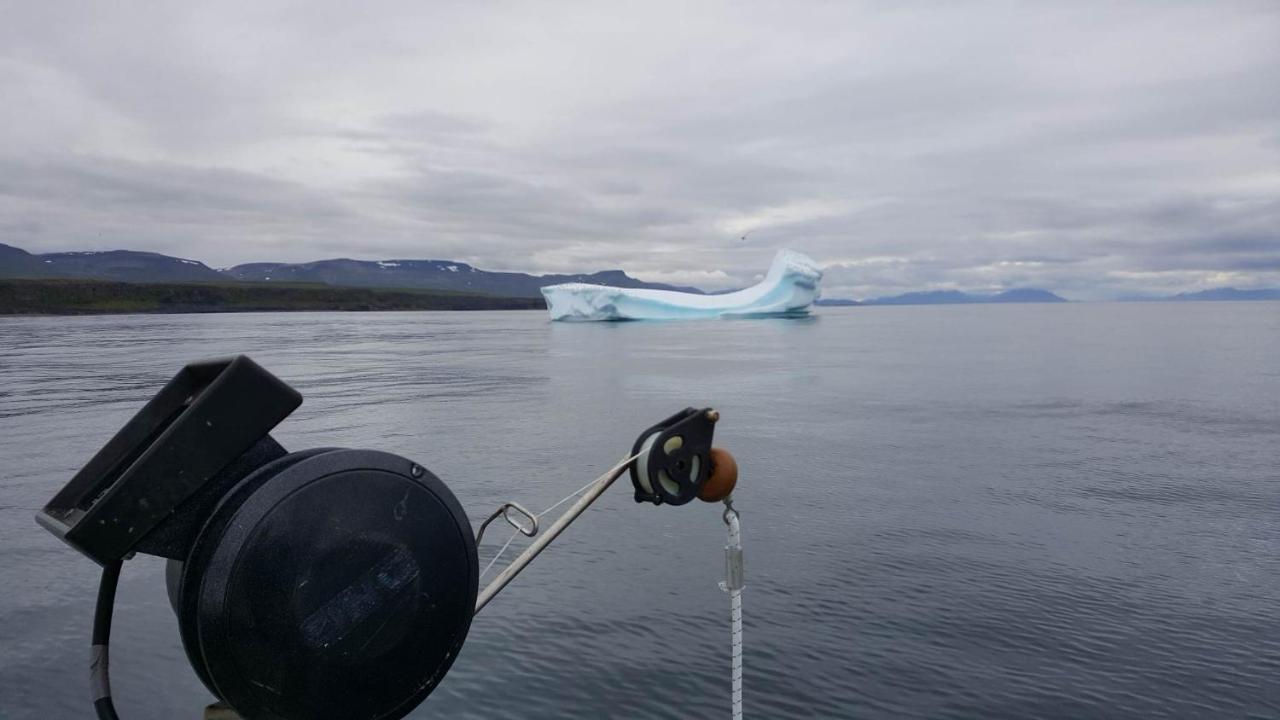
(969, 511)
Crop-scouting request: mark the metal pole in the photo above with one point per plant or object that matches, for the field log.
(509, 573)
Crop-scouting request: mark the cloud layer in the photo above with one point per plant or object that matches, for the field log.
(1095, 149)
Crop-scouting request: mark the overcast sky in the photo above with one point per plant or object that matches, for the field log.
(1094, 149)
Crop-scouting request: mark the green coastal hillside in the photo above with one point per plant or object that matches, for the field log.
(84, 297)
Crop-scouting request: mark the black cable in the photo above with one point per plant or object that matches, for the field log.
(98, 679)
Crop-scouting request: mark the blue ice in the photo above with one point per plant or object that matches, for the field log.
(789, 288)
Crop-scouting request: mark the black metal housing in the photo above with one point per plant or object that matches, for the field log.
(206, 417)
(326, 583)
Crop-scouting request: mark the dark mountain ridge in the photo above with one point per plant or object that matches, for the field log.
(453, 276)
(120, 265)
(428, 274)
(133, 266)
(1227, 293)
(955, 297)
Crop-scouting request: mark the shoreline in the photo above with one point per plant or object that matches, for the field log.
(69, 297)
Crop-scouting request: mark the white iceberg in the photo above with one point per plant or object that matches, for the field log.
(789, 288)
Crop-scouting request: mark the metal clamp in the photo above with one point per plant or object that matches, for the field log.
(591, 492)
(733, 566)
(730, 514)
(528, 530)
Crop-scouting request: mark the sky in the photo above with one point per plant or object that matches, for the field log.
(1094, 149)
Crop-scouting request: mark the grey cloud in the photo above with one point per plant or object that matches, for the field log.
(432, 124)
(183, 210)
(1094, 149)
(161, 189)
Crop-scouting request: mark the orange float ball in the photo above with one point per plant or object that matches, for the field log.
(722, 478)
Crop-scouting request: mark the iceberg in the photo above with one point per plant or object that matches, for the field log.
(789, 288)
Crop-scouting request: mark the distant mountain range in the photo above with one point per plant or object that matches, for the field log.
(121, 265)
(132, 266)
(1227, 293)
(955, 297)
(430, 274)
(1035, 295)
(449, 275)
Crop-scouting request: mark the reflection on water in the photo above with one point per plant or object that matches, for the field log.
(998, 511)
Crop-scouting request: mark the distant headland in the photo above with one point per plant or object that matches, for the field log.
(132, 281)
(118, 281)
(955, 297)
(1036, 295)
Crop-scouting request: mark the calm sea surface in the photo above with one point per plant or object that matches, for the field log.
(985, 511)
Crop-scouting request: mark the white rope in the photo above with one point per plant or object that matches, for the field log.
(733, 585)
(511, 539)
(567, 498)
(505, 545)
(735, 617)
